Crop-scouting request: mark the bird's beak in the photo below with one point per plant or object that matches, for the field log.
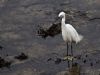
(58, 15)
(60, 18)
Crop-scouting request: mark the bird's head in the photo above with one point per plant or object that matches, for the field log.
(61, 14)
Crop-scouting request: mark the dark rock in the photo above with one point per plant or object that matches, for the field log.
(84, 60)
(52, 31)
(78, 57)
(58, 61)
(1, 47)
(74, 64)
(86, 55)
(91, 64)
(49, 59)
(21, 57)
(4, 63)
(97, 62)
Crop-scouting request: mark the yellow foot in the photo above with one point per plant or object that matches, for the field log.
(69, 58)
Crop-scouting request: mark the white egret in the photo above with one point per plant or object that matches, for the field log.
(69, 33)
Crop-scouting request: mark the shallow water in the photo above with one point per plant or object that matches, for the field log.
(20, 23)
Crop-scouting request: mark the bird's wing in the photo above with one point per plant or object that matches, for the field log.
(71, 28)
(74, 34)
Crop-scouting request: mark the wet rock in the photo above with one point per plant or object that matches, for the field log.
(7, 55)
(58, 60)
(52, 31)
(4, 63)
(63, 73)
(49, 59)
(21, 57)
(91, 64)
(86, 56)
(1, 47)
(78, 57)
(97, 62)
(84, 60)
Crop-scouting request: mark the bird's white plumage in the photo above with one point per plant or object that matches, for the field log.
(69, 33)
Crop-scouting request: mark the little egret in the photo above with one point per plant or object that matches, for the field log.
(69, 33)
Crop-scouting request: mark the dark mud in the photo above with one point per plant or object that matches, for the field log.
(24, 22)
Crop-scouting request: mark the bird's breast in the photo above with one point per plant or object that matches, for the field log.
(66, 35)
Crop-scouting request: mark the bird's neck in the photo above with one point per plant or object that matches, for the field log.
(63, 21)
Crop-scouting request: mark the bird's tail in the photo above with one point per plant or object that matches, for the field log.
(80, 37)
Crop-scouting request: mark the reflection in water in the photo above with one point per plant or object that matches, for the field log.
(75, 69)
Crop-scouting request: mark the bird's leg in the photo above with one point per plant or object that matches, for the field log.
(67, 49)
(72, 49)
(72, 52)
(67, 55)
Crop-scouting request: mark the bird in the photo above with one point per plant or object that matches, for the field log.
(69, 33)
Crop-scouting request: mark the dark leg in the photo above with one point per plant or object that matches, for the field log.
(67, 49)
(72, 52)
(72, 49)
(67, 55)
(68, 64)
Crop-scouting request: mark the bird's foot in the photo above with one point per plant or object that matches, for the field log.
(71, 58)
